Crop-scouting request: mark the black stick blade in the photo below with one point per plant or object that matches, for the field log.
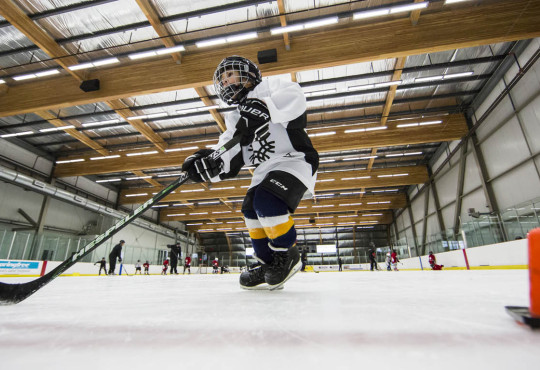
(15, 293)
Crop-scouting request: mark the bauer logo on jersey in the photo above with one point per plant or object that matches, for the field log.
(255, 112)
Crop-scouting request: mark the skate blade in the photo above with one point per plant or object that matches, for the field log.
(294, 270)
(259, 287)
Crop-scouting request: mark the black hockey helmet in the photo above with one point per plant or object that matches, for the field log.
(246, 71)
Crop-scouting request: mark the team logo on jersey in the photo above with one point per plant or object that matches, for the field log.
(262, 153)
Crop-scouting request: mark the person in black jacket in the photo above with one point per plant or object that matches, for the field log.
(102, 265)
(372, 260)
(174, 254)
(115, 253)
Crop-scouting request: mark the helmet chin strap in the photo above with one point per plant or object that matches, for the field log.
(244, 90)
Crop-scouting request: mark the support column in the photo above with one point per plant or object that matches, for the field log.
(437, 204)
(40, 224)
(413, 228)
(486, 185)
(459, 190)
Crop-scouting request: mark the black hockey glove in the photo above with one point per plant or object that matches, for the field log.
(200, 167)
(253, 122)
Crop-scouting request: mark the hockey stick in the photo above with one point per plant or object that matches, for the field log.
(15, 293)
(123, 268)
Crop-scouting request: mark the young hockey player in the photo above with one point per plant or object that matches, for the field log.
(187, 265)
(115, 253)
(165, 267)
(215, 265)
(394, 260)
(271, 119)
(146, 266)
(138, 267)
(102, 265)
(388, 261)
(433, 262)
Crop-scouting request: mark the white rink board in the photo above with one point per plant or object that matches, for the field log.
(331, 320)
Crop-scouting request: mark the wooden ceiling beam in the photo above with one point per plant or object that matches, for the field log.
(283, 21)
(380, 177)
(153, 17)
(203, 94)
(14, 15)
(338, 204)
(150, 181)
(447, 29)
(123, 110)
(53, 120)
(415, 14)
(219, 213)
(453, 127)
(319, 222)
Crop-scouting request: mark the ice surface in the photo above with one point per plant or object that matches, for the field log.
(349, 320)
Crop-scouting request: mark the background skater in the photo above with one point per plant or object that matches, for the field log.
(102, 265)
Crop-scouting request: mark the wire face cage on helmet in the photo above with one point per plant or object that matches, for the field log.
(234, 77)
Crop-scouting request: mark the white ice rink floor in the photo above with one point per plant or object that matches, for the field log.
(332, 320)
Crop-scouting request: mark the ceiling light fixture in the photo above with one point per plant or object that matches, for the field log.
(145, 116)
(223, 40)
(22, 133)
(97, 63)
(36, 75)
(408, 7)
(109, 180)
(181, 149)
(56, 128)
(100, 123)
(323, 134)
(156, 52)
(307, 25)
(371, 13)
(105, 157)
(138, 178)
(70, 161)
(141, 153)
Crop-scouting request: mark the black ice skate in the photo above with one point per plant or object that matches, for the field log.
(253, 276)
(283, 267)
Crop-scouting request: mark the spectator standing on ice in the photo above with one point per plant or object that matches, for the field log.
(115, 253)
(372, 260)
(174, 254)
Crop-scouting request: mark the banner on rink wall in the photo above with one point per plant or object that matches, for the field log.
(10, 267)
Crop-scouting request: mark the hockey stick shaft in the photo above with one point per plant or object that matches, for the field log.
(15, 293)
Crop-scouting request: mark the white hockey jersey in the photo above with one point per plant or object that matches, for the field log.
(287, 148)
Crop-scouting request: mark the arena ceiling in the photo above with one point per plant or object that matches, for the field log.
(387, 84)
